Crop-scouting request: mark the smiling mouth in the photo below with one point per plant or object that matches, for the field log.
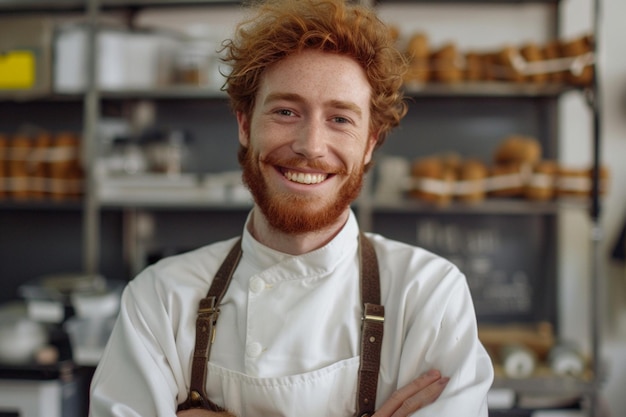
(304, 177)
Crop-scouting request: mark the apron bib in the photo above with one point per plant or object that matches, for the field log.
(329, 391)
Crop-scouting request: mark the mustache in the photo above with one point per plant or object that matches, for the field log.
(303, 163)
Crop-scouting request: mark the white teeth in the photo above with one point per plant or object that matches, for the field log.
(303, 178)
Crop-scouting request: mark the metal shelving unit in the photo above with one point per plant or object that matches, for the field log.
(91, 206)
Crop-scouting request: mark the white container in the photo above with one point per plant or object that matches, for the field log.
(101, 303)
(88, 338)
(125, 59)
(20, 337)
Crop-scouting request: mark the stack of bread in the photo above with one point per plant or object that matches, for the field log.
(518, 170)
(558, 61)
(514, 161)
(439, 179)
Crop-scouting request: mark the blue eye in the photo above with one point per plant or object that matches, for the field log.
(285, 112)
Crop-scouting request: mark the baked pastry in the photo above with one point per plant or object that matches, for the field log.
(518, 149)
(552, 51)
(578, 182)
(471, 184)
(507, 180)
(532, 53)
(541, 183)
(418, 53)
(446, 64)
(580, 75)
(394, 32)
(505, 68)
(433, 180)
(475, 66)
(417, 46)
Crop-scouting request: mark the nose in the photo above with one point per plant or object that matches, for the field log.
(310, 142)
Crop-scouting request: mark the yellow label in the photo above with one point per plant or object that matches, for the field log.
(17, 70)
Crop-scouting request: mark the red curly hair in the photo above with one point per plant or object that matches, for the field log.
(284, 27)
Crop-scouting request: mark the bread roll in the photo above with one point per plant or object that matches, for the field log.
(552, 51)
(505, 69)
(578, 182)
(507, 180)
(542, 181)
(518, 149)
(446, 64)
(474, 66)
(471, 186)
(532, 53)
(578, 48)
(433, 180)
(417, 53)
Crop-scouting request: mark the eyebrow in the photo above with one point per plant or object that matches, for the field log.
(338, 104)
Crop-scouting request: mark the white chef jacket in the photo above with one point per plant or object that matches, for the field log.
(288, 335)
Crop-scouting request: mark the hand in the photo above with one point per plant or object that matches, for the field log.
(200, 412)
(416, 395)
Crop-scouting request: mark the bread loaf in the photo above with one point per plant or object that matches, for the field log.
(471, 185)
(518, 149)
(433, 180)
(583, 75)
(418, 53)
(446, 64)
(542, 181)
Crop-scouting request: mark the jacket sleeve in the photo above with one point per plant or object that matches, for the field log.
(451, 345)
(139, 372)
(432, 325)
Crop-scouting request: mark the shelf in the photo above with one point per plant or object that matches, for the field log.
(40, 96)
(165, 203)
(161, 93)
(17, 6)
(164, 93)
(486, 89)
(488, 206)
(478, 89)
(187, 191)
(494, 206)
(43, 205)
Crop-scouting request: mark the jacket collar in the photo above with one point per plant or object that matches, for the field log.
(317, 262)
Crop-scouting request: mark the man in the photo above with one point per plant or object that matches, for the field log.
(315, 85)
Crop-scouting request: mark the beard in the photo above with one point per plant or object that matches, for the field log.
(292, 213)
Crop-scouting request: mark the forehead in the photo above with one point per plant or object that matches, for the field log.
(320, 77)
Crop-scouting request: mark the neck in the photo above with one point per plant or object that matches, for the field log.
(293, 244)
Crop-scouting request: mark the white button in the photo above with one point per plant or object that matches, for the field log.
(257, 285)
(254, 349)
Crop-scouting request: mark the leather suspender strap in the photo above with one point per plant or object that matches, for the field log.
(208, 313)
(372, 329)
(371, 334)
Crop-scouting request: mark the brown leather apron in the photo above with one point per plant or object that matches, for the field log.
(371, 332)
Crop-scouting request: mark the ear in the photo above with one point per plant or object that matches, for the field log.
(244, 129)
(369, 150)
